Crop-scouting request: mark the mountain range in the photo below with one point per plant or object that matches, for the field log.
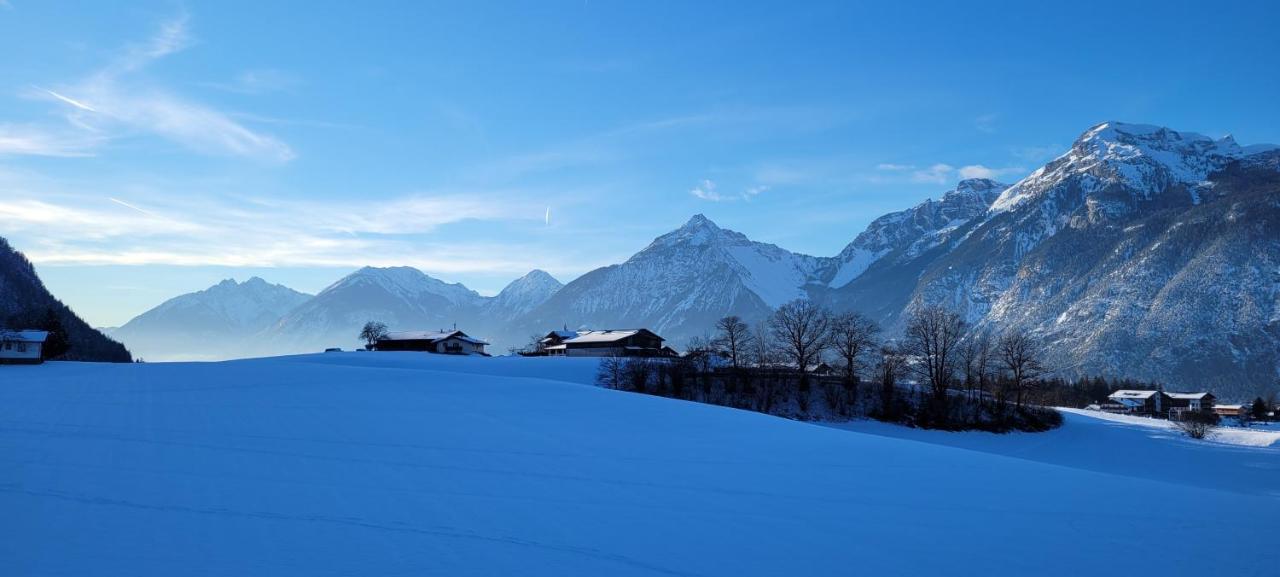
(1141, 252)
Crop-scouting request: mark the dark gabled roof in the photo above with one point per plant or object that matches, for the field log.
(431, 336)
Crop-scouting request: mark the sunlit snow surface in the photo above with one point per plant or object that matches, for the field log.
(407, 464)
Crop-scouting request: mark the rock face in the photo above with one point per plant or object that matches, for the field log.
(1142, 252)
(218, 322)
(681, 283)
(25, 303)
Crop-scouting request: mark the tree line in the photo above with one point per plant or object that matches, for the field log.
(806, 362)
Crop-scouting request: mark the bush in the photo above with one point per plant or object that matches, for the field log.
(1197, 425)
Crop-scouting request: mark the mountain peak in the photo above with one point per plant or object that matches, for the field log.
(699, 221)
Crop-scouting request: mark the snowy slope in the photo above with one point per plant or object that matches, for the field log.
(916, 230)
(385, 463)
(522, 295)
(209, 324)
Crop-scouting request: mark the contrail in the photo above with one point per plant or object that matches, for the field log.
(127, 205)
(68, 100)
(548, 217)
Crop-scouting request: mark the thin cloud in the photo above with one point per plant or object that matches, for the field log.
(119, 100)
(706, 190)
(938, 173)
(38, 141)
(891, 167)
(986, 122)
(980, 171)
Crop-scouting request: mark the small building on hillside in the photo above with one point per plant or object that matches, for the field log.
(440, 342)
(22, 347)
(554, 340)
(605, 343)
(1228, 410)
(1141, 402)
(1180, 403)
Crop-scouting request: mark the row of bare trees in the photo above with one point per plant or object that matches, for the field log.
(958, 374)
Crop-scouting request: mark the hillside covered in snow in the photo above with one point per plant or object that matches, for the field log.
(401, 463)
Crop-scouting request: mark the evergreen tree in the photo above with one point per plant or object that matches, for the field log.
(57, 344)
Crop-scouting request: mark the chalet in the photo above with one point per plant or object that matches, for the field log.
(441, 342)
(605, 343)
(22, 347)
(1180, 403)
(1141, 402)
(1228, 410)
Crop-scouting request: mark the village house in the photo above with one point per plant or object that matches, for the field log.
(22, 347)
(1228, 410)
(441, 342)
(1141, 402)
(1180, 403)
(604, 343)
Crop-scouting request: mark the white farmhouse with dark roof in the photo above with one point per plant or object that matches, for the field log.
(22, 347)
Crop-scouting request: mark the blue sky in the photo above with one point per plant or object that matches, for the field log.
(155, 148)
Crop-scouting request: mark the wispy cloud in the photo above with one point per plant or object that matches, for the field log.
(938, 173)
(61, 224)
(119, 100)
(706, 190)
(891, 167)
(257, 82)
(31, 140)
(709, 191)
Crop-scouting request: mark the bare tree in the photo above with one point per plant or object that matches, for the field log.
(976, 356)
(852, 337)
(762, 347)
(800, 329)
(933, 340)
(733, 338)
(609, 374)
(372, 331)
(890, 366)
(1020, 357)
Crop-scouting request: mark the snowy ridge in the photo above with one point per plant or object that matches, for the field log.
(917, 229)
(523, 294)
(1145, 159)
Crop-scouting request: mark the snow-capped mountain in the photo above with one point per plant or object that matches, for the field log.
(213, 323)
(1142, 252)
(681, 283)
(907, 234)
(522, 295)
(402, 297)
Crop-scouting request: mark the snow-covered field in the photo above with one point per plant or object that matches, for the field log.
(407, 464)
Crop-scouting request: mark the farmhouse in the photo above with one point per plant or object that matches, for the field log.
(1190, 402)
(1141, 402)
(604, 343)
(22, 347)
(441, 342)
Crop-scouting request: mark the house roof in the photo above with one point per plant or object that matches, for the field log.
(26, 336)
(429, 336)
(1192, 396)
(606, 336)
(1131, 394)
